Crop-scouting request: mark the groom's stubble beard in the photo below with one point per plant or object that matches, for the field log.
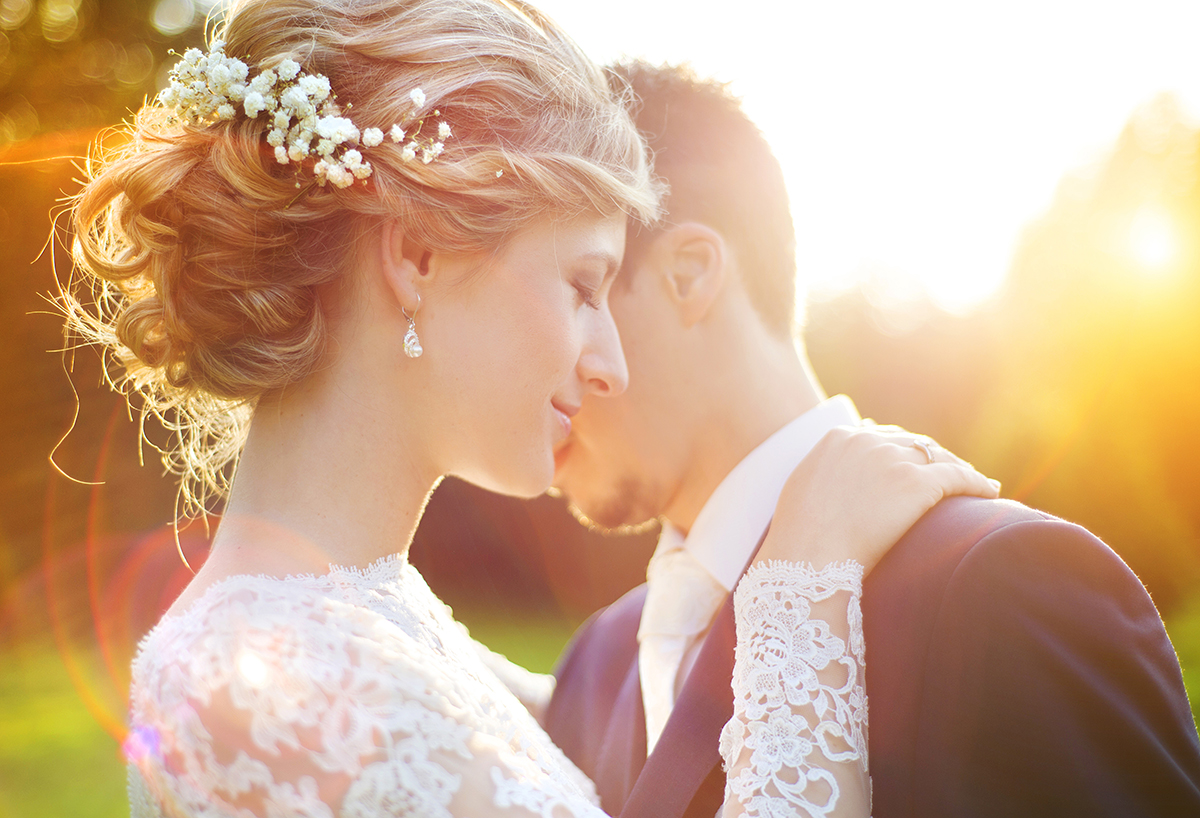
(624, 511)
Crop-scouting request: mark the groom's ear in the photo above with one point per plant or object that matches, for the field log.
(692, 258)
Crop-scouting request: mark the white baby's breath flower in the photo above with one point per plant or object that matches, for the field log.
(315, 86)
(220, 75)
(206, 87)
(288, 70)
(339, 176)
(372, 137)
(337, 129)
(262, 84)
(297, 103)
(254, 104)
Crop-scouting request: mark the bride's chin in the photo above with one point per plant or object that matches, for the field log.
(533, 480)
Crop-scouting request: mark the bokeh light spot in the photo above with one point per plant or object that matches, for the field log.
(60, 19)
(134, 64)
(14, 13)
(173, 17)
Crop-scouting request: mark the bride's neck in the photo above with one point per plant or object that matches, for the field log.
(328, 475)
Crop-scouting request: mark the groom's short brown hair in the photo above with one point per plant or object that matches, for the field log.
(721, 172)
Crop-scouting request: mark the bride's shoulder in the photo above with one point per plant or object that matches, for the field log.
(250, 634)
(264, 686)
(204, 639)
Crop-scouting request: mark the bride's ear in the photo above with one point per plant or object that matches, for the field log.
(404, 265)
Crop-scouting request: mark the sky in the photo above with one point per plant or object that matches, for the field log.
(917, 138)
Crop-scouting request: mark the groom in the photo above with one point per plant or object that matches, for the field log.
(1015, 666)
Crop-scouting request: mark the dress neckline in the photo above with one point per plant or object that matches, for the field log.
(378, 572)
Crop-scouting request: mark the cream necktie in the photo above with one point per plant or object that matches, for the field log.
(681, 598)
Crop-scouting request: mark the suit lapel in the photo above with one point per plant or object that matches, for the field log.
(688, 749)
(623, 751)
(684, 759)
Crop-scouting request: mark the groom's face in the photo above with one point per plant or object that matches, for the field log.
(625, 456)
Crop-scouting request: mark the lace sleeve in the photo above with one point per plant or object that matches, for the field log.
(270, 701)
(532, 689)
(797, 742)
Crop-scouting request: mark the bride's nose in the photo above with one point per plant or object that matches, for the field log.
(601, 360)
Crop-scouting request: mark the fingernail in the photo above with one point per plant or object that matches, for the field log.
(995, 483)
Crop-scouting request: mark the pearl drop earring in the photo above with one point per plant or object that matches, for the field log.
(412, 344)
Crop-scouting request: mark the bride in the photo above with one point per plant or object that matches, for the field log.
(359, 245)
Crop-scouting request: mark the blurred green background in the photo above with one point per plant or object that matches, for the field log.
(1078, 386)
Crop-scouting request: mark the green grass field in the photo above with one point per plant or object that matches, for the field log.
(55, 760)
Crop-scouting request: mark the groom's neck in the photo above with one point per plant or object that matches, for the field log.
(758, 385)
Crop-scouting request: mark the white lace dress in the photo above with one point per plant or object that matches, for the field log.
(356, 694)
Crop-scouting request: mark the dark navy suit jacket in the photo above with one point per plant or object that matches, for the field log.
(1015, 667)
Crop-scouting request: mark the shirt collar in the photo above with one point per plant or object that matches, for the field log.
(735, 516)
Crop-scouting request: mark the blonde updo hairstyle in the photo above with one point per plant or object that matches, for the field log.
(202, 258)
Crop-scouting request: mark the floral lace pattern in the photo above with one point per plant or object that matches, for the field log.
(798, 737)
(352, 694)
(356, 694)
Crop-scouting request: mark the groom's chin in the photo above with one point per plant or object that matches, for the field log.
(617, 514)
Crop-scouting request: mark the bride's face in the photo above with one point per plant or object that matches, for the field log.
(513, 342)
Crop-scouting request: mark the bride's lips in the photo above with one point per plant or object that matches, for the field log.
(564, 412)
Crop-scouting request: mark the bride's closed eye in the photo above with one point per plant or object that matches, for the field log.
(588, 294)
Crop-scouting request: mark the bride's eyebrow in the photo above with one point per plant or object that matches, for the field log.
(611, 263)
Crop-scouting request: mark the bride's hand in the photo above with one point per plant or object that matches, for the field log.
(859, 490)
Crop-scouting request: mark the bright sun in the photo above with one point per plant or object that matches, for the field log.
(1153, 242)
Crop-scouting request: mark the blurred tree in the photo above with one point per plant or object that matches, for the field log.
(1079, 385)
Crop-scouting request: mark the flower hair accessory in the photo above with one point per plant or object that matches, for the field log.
(206, 88)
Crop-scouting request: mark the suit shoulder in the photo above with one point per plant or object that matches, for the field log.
(1002, 543)
(929, 555)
